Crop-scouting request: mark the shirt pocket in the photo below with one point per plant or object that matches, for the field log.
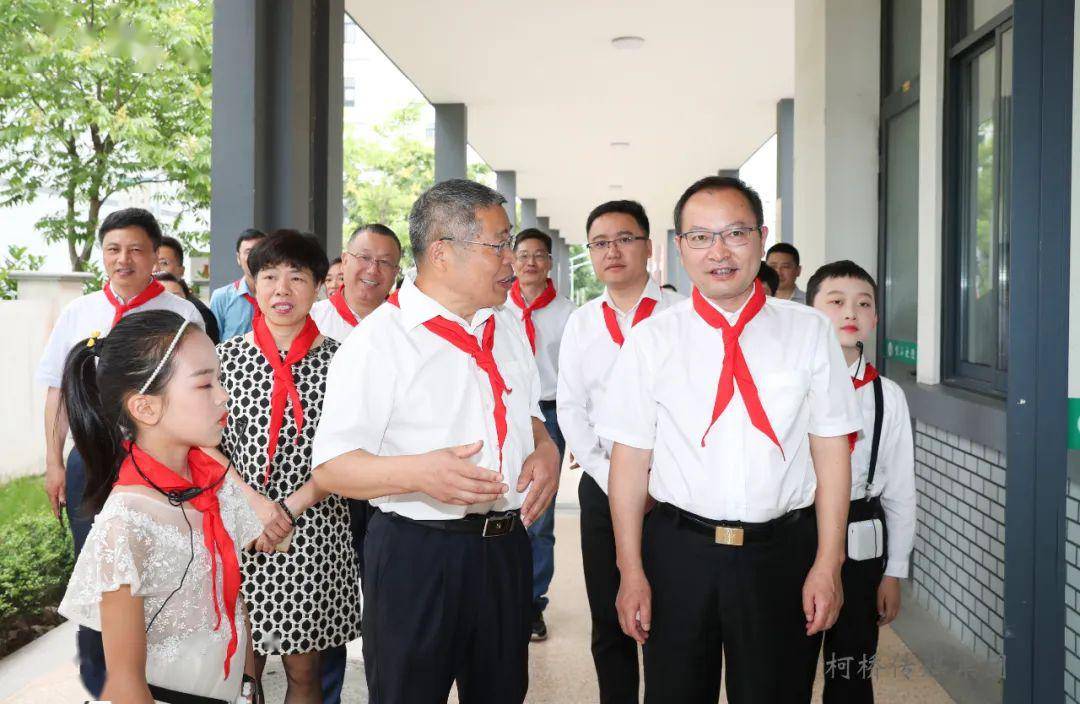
(783, 394)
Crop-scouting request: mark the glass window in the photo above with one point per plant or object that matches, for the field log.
(978, 229)
(979, 12)
(900, 290)
(350, 92)
(904, 17)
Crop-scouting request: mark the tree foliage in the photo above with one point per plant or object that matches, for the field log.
(98, 97)
(387, 170)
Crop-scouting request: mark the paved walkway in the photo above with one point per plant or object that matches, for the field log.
(561, 668)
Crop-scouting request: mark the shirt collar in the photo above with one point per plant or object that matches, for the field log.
(121, 298)
(417, 308)
(732, 318)
(652, 290)
(242, 287)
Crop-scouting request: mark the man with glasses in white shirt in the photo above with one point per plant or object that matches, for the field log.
(619, 247)
(543, 312)
(370, 264)
(432, 412)
(732, 411)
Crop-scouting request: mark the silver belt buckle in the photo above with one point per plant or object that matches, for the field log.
(497, 525)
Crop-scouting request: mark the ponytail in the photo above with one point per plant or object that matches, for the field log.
(96, 435)
(100, 375)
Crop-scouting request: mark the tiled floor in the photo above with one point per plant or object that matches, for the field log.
(561, 669)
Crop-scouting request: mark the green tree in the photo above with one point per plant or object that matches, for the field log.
(586, 285)
(17, 259)
(387, 170)
(98, 97)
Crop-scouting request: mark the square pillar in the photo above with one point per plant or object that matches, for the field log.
(451, 141)
(506, 184)
(785, 170)
(528, 213)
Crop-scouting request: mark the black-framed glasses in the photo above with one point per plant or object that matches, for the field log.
(504, 246)
(700, 238)
(604, 245)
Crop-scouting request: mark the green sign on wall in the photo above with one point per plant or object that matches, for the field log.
(901, 350)
(1074, 423)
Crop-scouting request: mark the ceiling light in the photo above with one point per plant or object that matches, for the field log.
(620, 144)
(628, 43)
(615, 186)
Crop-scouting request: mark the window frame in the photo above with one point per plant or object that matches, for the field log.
(961, 51)
(892, 105)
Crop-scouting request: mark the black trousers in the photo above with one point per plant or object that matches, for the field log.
(441, 607)
(851, 644)
(743, 603)
(615, 654)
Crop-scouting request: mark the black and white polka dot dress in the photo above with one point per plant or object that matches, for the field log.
(307, 598)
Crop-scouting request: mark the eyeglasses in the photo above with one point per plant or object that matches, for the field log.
(538, 257)
(504, 246)
(604, 245)
(380, 264)
(704, 239)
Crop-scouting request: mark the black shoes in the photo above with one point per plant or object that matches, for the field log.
(539, 628)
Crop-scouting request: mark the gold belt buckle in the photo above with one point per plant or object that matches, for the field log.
(728, 535)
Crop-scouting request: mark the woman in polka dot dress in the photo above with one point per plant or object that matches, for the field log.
(304, 597)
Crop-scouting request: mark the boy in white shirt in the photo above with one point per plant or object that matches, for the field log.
(882, 488)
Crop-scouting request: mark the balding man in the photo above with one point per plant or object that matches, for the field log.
(448, 442)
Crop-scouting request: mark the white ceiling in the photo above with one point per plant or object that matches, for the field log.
(547, 92)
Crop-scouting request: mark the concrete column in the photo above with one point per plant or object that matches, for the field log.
(277, 122)
(836, 123)
(542, 223)
(528, 213)
(57, 290)
(506, 184)
(785, 170)
(730, 173)
(451, 140)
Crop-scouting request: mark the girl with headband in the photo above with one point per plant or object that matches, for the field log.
(159, 575)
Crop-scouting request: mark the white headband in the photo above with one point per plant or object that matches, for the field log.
(168, 353)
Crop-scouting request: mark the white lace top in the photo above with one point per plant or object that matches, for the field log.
(140, 540)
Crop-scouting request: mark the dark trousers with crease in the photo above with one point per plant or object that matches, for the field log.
(88, 646)
(851, 644)
(742, 604)
(441, 607)
(615, 654)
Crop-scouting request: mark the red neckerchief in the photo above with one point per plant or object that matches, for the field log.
(205, 472)
(337, 299)
(868, 376)
(545, 297)
(482, 354)
(644, 310)
(284, 384)
(153, 290)
(734, 370)
(249, 298)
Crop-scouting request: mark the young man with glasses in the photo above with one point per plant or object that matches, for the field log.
(369, 266)
(740, 558)
(432, 412)
(619, 248)
(543, 312)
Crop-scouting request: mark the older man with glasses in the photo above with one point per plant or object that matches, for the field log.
(432, 412)
(369, 266)
(543, 312)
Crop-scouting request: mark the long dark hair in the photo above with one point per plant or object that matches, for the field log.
(98, 380)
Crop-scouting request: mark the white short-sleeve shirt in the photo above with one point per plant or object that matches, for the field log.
(93, 313)
(330, 322)
(662, 390)
(894, 478)
(395, 388)
(549, 323)
(585, 360)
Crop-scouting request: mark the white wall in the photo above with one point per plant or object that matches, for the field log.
(837, 99)
(27, 325)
